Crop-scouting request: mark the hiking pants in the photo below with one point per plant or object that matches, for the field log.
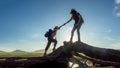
(73, 30)
(50, 40)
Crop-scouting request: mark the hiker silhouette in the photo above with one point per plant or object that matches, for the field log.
(51, 34)
(77, 25)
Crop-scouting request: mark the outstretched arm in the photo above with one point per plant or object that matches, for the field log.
(66, 22)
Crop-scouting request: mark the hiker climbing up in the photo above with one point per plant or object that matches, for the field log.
(78, 22)
(50, 36)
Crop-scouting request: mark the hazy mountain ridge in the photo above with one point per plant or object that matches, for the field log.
(22, 51)
(2, 51)
(36, 51)
(42, 50)
(18, 51)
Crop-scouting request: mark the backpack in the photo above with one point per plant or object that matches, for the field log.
(48, 33)
(81, 18)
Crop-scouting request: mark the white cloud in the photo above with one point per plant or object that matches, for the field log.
(117, 1)
(108, 31)
(92, 33)
(26, 46)
(22, 40)
(109, 38)
(118, 14)
(116, 10)
(36, 35)
(7, 49)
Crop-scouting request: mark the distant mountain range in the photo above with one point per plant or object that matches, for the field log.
(18, 51)
(39, 51)
(2, 51)
(42, 51)
(21, 51)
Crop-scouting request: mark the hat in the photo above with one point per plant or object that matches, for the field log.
(73, 11)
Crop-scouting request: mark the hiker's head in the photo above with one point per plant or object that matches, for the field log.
(56, 27)
(73, 11)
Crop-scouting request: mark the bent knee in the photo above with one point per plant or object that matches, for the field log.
(72, 31)
(56, 41)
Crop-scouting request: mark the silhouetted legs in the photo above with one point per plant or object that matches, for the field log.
(48, 45)
(50, 40)
(72, 33)
(55, 43)
(78, 33)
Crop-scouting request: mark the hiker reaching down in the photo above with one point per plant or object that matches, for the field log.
(77, 25)
(50, 36)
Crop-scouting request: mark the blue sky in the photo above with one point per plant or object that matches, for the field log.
(24, 22)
